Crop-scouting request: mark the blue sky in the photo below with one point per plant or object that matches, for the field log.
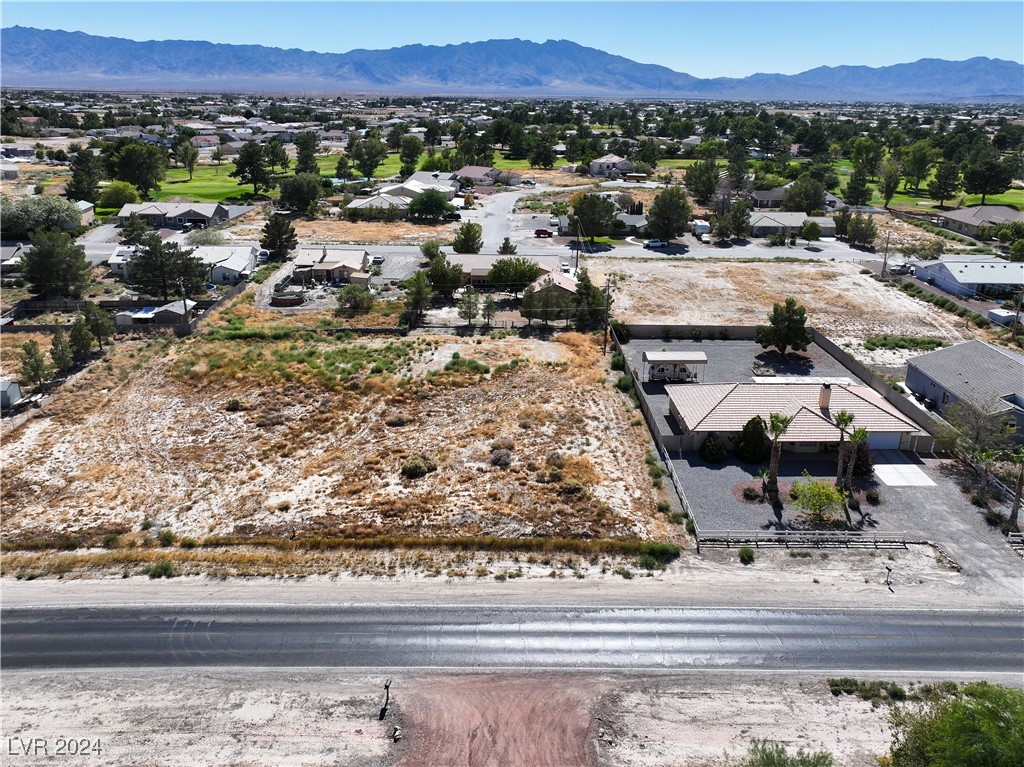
(729, 39)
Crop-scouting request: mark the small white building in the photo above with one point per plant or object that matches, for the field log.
(10, 393)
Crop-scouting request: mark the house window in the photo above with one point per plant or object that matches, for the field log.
(945, 397)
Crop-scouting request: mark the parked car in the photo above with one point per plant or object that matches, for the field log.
(543, 233)
(705, 238)
(656, 244)
(377, 260)
(528, 182)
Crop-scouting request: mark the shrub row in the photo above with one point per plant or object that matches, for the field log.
(944, 303)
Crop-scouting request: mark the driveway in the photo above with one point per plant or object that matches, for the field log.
(894, 469)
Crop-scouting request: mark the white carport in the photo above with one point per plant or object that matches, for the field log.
(674, 366)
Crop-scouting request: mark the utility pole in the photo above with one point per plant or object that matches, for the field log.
(885, 254)
(184, 301)
(607, 312)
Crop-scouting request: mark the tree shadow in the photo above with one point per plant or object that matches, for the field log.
(794, 363)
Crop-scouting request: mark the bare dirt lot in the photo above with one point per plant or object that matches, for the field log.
(312, 433)
(844, 304)
(329, 718)
(360, 232)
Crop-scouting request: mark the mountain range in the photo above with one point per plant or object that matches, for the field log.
(42, 58)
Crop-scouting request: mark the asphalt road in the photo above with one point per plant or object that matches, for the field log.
(513, 637)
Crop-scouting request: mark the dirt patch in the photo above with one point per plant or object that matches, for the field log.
(537, 719)
(841, 302)
(374, 232)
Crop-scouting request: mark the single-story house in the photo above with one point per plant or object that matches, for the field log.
(611, 166)
(476, 266)
(228, 265)
(784, 222)
(164, 214)
(969, 277)
(8, 171)
(479, 175)
(969, 220)
(88, 211)
(10, 393)
(205, 142)
(18, 149)
(562, 284)
(411, 189)
(10, 257)
(634, 224)
(985, 376)
(172, 313)
(328, 263)
(725, 408)
(381, 201)
(772, 198)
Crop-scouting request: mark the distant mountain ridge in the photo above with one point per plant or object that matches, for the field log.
(556, 68)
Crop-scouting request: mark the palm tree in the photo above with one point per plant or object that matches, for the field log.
(1017, 459)
(856, 438)
(986, 460)
(842, 421)
(777, 425)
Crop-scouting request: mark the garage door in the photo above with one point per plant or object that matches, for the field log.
(884, 441)
(894, 469)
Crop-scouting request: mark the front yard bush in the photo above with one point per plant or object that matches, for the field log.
(746, 555)
(754, 445)
(713, 450)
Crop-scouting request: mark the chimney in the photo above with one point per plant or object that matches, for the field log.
(824, 396)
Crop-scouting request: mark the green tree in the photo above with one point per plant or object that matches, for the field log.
(55, 265)
(983, 724)
(819, 501)
(842, 221)
(590, 304)
(300, 191)
(918, 159)
(805, 195)
(251, 167)
(20, 219)
(543, 153)
(343, 169)
(512, 275)
(34, 368)
(702, 179)
(86, 174)
(60, 352)
(355, 299)
(187, 155)
(417, 298)
(529, 305)
(217, 155)
(81, 338)
(969, 429)
(889, 180)
(1016, 458)
(777, 426)
(946, 183)
(279, 238)
(865, 154)
(163, 269)
(99, 322)
(810, 231)
(445, 278)
(367, 154)
(469, 305)
(117, 194)
(431, 249)
(669, 214)
(861, 230)
(135, 230)
(305, 159)
(786, 329)
(753, 445)
(469, 238)
(409, 152)
(858, 437)
(986, 173)
(507, 248)
(141, 165)
(490, 308)
(431, 204)
(857, 191)
(593, 215)
(277, 155)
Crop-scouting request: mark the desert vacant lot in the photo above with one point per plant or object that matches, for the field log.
(244, 432)
(841, 302)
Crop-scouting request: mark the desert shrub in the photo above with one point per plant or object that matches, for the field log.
(162, 569)
(746, 555)
(459, 364)
(555, 458)
(873, 497)
(166, 537)
(618, 361)
(147, 524)
(648, 562)
(501, 457)
(111, 541)
(503, 443)
(621, 331)
(234, 405)
(853, 503)
(625, 572)
(712, 449)
(398, 419)
(418, 466)
(677, 518)
(751, 494)
(754, 445)
(188, 543)
(624, 383)
(663, 507)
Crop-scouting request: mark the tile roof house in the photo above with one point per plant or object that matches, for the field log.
(610, 165)
(326, 263)
(724, 409)
(969, 277)
(782, 222)
(969, 220)
(985, 376)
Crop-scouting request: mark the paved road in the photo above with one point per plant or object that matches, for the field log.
(514, 637)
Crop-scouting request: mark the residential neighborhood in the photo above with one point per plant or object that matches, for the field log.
(505, 399)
